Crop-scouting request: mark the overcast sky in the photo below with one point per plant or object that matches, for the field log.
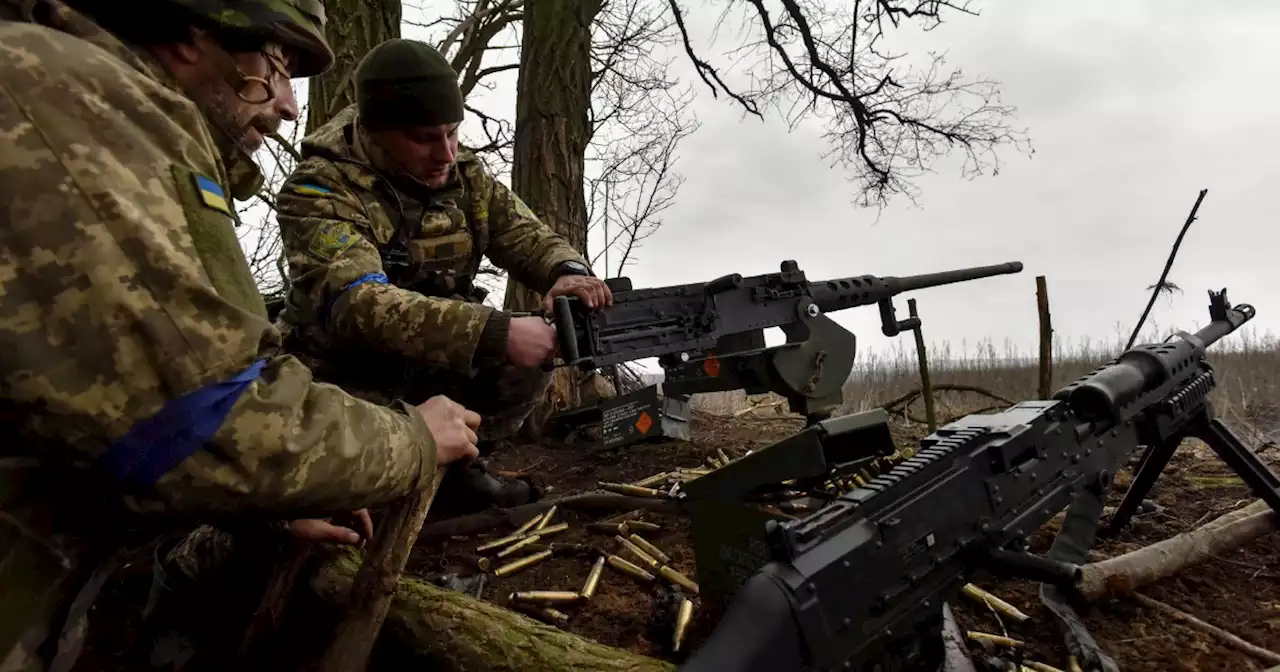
(1132, 108)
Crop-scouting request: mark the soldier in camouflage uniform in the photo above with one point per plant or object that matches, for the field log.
(385, 222)
(140, 379)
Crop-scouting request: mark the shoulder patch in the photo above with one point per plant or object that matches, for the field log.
(211, 193)
(310, 189)
(522, 209)
(331, 239)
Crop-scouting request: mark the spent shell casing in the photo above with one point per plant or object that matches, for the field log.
(683, 618)
(546, 518)
(513, 548)
(641, 526)
(609, 528)
(499, 543)
(640, 554)
(724, 459)
(593, 579)
(677, 578)
(627, 568)
(622, 517)
(528, 524)
(653, 551)
(552, 615)
(522, 563)
(474, 561)
(546, 596)
(635, 490)
(794, 507)
(552, 529)
(653, 480)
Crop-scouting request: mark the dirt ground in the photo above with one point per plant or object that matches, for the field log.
(1239, 591)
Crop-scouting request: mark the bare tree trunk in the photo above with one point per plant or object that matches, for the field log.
(553, 128)
(354, 27)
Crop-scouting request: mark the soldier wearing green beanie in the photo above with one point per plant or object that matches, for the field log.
(385, 222)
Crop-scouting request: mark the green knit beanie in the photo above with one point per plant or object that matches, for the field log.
(405, 83)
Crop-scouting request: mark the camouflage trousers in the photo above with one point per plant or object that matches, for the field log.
(503, 394)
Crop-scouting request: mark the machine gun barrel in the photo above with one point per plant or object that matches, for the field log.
(1152, 369)
(865, 577)
(832, 295)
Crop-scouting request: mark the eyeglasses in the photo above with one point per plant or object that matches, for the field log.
(279, 71)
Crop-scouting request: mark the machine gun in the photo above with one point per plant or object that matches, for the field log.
(709, 336)
(861, 583)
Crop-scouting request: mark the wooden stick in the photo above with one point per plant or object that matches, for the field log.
(1226, 637)
(1168, 264)
(1046, 338)
(374, 584)
(926, 385)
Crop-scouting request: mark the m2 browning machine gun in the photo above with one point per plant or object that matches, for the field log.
(860, 584)
(720, 325)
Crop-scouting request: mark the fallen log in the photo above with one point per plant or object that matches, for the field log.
(1125, 573)
(447, 630)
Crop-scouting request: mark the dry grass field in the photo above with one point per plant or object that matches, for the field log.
(1248, 366)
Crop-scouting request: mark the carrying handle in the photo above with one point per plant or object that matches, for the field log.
(566, 333)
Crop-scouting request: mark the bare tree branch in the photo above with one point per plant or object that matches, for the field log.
(889, 122)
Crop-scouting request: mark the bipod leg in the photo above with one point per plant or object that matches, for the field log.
(1241, 458)
(1149, 469)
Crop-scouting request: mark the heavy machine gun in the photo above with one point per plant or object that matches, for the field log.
(860, 584)
(709, 336)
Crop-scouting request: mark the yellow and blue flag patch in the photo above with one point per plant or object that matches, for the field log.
(311, 189)
(211, 193)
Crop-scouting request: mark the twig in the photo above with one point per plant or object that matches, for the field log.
(1226, 637)
(945, 387)
(1168, 264)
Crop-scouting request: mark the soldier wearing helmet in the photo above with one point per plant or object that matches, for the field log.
(140, 378)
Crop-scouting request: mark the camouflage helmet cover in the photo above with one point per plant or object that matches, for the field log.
(298, 24)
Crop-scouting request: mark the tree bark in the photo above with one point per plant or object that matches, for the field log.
(553, 128)
(354, 27)
(446, 630)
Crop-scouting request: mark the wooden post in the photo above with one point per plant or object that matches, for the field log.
(375, 583)
(1046, 338)
(926, 386)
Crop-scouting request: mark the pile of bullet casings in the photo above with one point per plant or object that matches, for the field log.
(647, 564)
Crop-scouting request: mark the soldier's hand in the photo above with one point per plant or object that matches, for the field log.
(530, 341)
(453, 427)
(593, 292)
(323, 529)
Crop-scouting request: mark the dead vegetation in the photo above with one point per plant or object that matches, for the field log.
(1182, 621)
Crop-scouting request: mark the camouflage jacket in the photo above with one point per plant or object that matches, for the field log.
(138, 371)
(379, 261)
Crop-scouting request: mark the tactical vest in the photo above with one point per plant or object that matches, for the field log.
(436, 239)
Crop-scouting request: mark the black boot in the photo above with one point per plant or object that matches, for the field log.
(470, 488)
